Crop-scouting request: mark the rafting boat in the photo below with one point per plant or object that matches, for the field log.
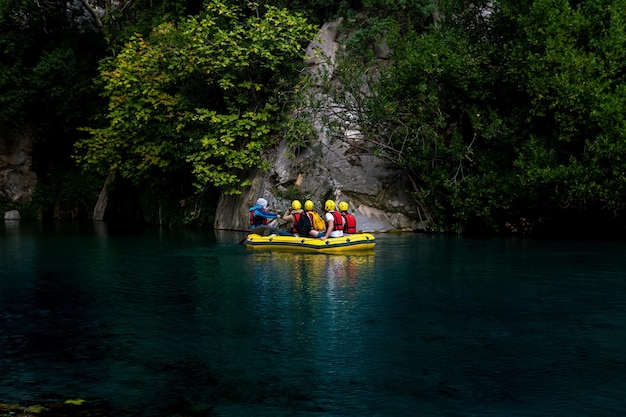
(346, 243)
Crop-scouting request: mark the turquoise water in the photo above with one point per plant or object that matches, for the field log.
(151, 320)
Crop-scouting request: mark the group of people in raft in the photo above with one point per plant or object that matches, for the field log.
(337, 220)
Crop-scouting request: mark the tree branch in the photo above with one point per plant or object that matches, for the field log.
(93, 14)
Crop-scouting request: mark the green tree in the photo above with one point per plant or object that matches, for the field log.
(573, 55)
(47, 66)
(430, 106)
(505, 111)
(197, 97)
(435, 112)
(555, 80)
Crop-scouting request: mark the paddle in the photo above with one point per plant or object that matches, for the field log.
(244, 239)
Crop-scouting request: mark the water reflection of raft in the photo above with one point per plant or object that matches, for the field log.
(347, 243)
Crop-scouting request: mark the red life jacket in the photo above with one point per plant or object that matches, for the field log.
(338, 223)
(256, 221)
(350, 223)
(296, 220)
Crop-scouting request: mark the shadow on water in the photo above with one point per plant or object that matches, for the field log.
(154, 322)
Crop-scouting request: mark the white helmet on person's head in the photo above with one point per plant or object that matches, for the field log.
(261, 202)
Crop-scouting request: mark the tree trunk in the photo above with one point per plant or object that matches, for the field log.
(103, 198)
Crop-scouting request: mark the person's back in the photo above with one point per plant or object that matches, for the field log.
(334, 222)
(349, 221)
(309, 208)
(258, 215)
(293, 216)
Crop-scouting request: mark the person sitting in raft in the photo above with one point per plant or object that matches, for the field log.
(292, 216)
(260, 218)
(334, 223)
(349, 221)
(309, 208)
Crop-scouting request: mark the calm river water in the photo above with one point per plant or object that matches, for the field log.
(150, 320)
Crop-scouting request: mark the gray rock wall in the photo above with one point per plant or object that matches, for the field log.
(328, 167)
(17, 179)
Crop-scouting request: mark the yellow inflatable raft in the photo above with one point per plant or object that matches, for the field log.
(346, 243)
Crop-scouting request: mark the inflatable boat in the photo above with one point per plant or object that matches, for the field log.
(347, 243)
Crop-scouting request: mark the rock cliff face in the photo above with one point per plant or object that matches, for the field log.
(17, 179)
(328, 168)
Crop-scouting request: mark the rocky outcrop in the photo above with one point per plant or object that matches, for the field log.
(232, 212)
(328, 168)
(12, 215)
(17, 179)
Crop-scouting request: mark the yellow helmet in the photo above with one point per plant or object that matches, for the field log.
(296, 205)
(343, 206)
(329, 205)
(308, 205)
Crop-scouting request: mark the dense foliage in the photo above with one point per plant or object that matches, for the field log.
(196, 97)
(504, 115)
